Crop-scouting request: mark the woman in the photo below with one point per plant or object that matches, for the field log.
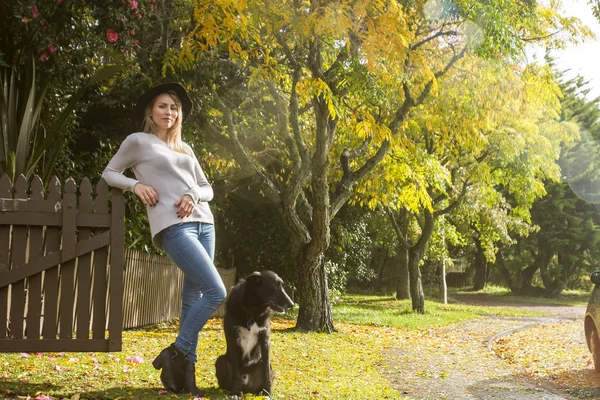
(175, 191)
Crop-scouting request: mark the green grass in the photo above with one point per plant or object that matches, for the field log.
(386, 311)
(567, 297)
(307, 365)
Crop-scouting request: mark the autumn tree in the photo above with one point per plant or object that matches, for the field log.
(490, 127)
(564, 244)
(310, 96)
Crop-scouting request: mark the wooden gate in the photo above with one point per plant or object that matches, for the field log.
(58, 288)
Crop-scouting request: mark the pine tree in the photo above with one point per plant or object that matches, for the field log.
(566, 245)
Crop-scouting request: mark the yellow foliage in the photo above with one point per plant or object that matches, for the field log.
(383, 52)
(320, 89)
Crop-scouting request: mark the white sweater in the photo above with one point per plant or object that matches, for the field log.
(171, 174)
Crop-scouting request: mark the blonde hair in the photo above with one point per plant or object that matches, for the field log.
(173, 133)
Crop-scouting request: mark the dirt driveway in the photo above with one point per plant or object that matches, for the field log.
(458, 362)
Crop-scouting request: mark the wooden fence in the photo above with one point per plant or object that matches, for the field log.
(152, 289)
(62, 282)
(61, 266)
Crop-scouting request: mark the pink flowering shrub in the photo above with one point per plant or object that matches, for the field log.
(112, 36)
(108, 27)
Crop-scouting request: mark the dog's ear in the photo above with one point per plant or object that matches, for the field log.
(254, 279)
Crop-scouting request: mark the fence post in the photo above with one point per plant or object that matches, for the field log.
(36, 250)
(5, 186)
(49, 329)
(117, 229)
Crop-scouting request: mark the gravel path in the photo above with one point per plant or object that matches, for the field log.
(460, 364)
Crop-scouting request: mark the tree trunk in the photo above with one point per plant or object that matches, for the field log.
(526, 277)
(315, 306)
(543, 258)
(505, 272)
(415, 255)
(481, 268)
(400, 225)
(523, 285)
(377, 262)
(382, 274)
(416, 284)
(444, 285)
(554, 287)
(403, 282)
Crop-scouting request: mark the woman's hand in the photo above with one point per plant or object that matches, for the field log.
(146, 194)
(185, 206)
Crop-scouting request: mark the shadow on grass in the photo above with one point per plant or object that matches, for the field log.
(19, 390)
(360, 299)
(372, 309)
(11, 389)
(394, 308)
(507, 299)
(566, 298)
(171, 326)
(356, 304)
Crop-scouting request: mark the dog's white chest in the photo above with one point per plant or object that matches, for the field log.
(248, 338)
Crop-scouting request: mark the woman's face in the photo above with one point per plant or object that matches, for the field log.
(164, 112)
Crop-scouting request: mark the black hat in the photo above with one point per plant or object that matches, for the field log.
(146, 98)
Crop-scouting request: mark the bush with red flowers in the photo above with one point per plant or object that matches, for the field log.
(71, 34)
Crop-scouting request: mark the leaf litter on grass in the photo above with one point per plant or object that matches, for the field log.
(554, 354)
(307, 366)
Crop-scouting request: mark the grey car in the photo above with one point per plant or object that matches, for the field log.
(592, 321)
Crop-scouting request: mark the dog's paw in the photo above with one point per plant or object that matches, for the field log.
(234, 397)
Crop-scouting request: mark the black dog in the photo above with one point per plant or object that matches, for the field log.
(246, 366)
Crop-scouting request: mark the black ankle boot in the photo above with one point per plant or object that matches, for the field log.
(190, 379)
(172, 362)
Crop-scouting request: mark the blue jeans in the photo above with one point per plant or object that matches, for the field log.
(191, 246)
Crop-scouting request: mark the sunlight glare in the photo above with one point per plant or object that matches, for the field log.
(580, 165)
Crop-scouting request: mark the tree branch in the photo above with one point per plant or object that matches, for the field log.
(402, 112)
(426, 230)
(438, 74)
(538, 38)
(456, 202)
(341, 57)
(240, 154)
(297, 213)
(286, 49)
(348, 154)
(430, 38)
(344, 188)
(282, 124)
(401, 237)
